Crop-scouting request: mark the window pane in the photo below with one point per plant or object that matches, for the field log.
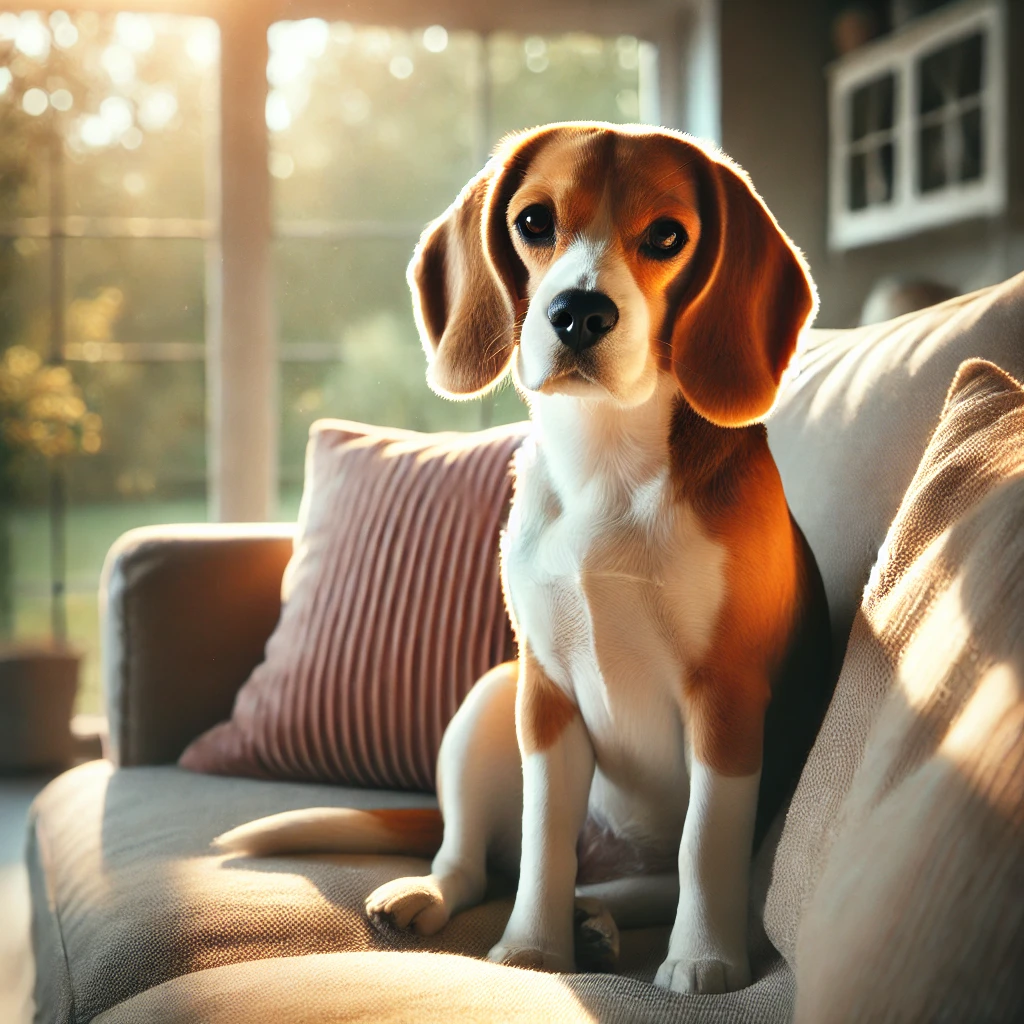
(858, 182)
(25, 293)
(952, 73)
(872, 107)
(326, 289)
(154, 432)
(370, 123)
(133, 292)
(932, 157)
(972, 165)
(141, 144)
(350, 348)
(134, 97)
(538, 79)
(880, 179)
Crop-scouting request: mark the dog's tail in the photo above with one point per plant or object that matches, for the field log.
(413, 831)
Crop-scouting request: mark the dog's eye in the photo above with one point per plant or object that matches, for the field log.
(665, 238)
(536, 225)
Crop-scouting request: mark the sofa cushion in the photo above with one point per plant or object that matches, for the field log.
(897, 880)
(127, 894)
(431, 988)
(392, 610)
(856, 413)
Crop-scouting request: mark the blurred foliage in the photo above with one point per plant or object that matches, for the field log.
(42, 412)
(133, 100)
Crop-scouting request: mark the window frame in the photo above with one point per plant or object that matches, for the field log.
(909, 211)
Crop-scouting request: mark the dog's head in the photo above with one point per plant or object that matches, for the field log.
(601, 256)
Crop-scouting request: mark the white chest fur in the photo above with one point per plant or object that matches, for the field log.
(616, 589)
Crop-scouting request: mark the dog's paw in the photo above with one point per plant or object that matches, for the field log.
(416, 903)
(706, 976)
(513, 954)
(596, 936)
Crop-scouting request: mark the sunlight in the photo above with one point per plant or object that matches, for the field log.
(95, 132)
(117, 113)
(135, 31)
(32, 38)
(62, 100)
(942, 637)
(35, 102)
(401, 67)
(997, 697)
(157, 109)
(435, 39)
(65, 35)
(119, 64)
(279, 115)
(203, 46)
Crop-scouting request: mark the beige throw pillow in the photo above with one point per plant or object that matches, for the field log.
(898, 888)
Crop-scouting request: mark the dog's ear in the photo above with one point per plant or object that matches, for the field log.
(468, 284)
(748, 297)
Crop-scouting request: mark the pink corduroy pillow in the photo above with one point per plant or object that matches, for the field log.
(392, 609)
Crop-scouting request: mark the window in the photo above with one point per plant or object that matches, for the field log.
(918, 128)
(373, 133)
(107, 124)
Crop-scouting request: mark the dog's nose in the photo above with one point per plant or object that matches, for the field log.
(582, 318)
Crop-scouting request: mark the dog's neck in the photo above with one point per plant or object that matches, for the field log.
(588, 442)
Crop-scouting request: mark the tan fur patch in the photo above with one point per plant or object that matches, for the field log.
(421, 828)
(543, 709)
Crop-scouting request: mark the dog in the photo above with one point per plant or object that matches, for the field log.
(671, 622)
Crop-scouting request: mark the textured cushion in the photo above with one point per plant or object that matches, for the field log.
(850, 426)
(127, 894)
(898, 879)
(396, 988)
(393, 609)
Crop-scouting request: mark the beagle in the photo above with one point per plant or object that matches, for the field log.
(672, 626)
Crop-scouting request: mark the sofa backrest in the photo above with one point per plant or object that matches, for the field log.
(856, 413)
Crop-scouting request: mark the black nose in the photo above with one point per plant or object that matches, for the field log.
(582, 319)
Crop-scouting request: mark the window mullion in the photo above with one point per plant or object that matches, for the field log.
(241, 349)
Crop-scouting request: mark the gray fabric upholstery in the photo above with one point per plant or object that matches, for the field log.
(396, 988)
(850, 427)
(185, 612)
(128, 895)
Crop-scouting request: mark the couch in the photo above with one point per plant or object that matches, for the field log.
(135, 918)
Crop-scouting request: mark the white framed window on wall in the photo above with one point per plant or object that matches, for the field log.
(918, 127)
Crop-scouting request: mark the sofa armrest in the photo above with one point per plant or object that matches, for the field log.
(185, 614)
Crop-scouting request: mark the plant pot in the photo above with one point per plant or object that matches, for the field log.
(37, 695)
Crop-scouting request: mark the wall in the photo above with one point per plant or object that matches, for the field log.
(773, 111)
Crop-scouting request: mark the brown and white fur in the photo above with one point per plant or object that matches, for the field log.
(671, 622)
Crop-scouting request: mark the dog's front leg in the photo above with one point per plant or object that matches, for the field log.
(558, 766)
(707, 951)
